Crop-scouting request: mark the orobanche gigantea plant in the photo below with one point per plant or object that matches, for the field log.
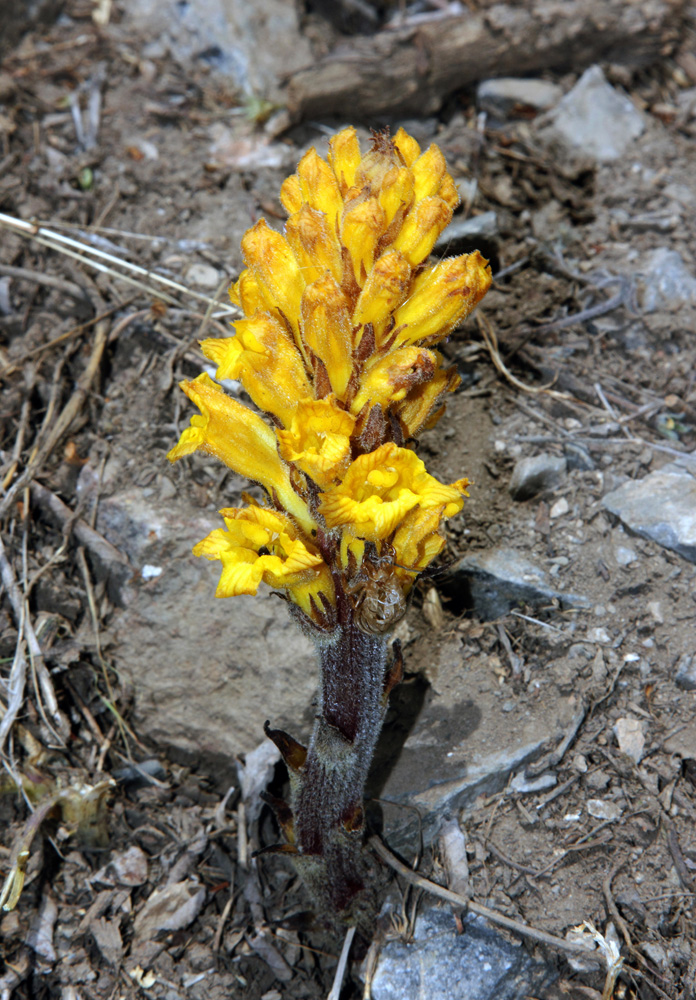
(336, 349)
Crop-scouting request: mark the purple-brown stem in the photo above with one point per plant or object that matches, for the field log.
(327, 788)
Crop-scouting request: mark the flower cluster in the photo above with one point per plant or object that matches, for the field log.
(337, 350)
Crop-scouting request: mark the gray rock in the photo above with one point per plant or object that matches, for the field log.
(206, 673)
(463, 743)
(440, 964)
(226, 35)
(536, 474)
(500, 579)
(484, 227)
(667, 281)
(506, 96)
(685, 677)
(661, 507)
(593, 119)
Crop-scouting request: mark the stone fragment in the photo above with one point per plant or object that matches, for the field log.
(203, 276)
(462, 742)
(685, 677)
(667, 282)
(255, 45)
(440, 964)
(604, 809)
(661, 507)
(510, 96)
(536, 474)
(630, 735)
(496, 580)
(527, 786)
(593, 119)
(560, 508)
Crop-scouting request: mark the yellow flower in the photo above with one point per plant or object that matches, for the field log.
(418, 540)
(241, 440)
(386, 287)
(380, 488)
(441, 297)
(327, 330)
(287, 562)
(341, 312)
(315, 246)
(416, 410)
(388, 379)
(318, 440)
(276, 270)
(266, 361)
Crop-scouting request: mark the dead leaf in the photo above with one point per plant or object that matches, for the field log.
(108, 939)
(169, 909)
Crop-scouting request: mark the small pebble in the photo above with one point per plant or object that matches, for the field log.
(603, 809)
(580, 763)
(560, 508)
(630, 735)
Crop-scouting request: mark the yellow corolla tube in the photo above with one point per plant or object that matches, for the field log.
(239, 438)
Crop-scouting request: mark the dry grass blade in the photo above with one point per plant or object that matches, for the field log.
(64, 419)
(18, 674)
(152, 283)
(491, 341)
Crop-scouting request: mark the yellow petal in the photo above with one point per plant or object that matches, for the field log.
(344, 157)
(428, 171)
(441, 297)
(380, 488)
(315, 246)
(448, 192)
(276, 270)
(407, 146)
(327, 329)
(362, 226)
(319, 187)
(241, 440)
(415, 410)
(265, 360)
(318, 440)
(397, 193)
(421, 228)
(291, 194)
(248, 294)
(386, 288)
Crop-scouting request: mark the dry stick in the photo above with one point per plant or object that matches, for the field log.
(18, 674)
(111, 704)
(64, 419)
(342, 962)
(25, 274)
(21, 614)
(491, 340)
(109, 558)
(575, 947)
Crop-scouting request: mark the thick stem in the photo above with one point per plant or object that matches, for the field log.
(327, 796)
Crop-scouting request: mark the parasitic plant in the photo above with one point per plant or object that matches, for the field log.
(336, 349)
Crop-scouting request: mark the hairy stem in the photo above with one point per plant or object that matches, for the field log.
(327, 799)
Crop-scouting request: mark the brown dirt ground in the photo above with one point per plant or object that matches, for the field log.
(542, 858)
